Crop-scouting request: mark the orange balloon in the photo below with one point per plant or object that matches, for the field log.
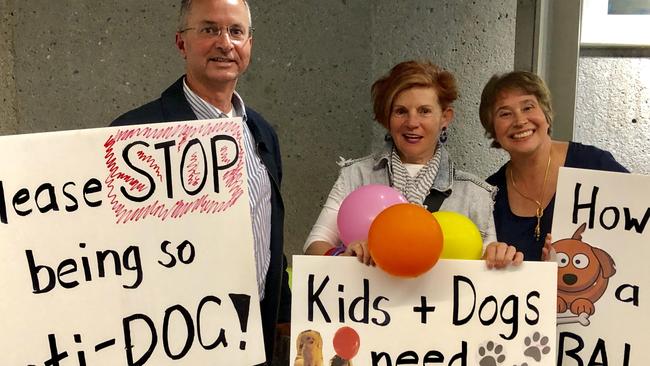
(405, 240)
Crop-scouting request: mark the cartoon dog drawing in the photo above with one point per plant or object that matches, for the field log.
(309, 347)
(583, 274)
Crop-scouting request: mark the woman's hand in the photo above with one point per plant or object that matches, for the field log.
(548, 253)
(359, 249)
(500, 255)
(318, 248)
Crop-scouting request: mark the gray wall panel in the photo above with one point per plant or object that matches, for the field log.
(80, 63)
(8, 120)
(613, 108)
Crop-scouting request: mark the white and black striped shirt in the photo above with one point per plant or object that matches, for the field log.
(259, 185)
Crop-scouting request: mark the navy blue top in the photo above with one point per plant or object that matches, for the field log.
(520, 231)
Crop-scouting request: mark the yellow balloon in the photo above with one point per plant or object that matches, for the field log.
(461, 237)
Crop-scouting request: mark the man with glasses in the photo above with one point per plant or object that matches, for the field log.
(215, 39)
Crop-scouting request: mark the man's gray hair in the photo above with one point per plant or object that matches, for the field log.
(185, 9)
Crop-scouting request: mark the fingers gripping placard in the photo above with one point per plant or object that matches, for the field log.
(118, 247)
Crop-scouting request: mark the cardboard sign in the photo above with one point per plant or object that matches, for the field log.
(119, 246)
(458, 313)
(601, 236)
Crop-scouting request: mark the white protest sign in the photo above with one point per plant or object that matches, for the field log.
(458, 313)
(128, 246)
(601, 236)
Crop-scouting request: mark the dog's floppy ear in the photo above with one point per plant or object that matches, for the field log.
(607, 264)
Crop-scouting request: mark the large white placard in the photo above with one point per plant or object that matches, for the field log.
(601, 236)
(458, 313)
(128, 246)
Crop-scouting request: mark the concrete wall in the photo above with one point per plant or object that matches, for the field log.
(81, 63)
(613, 108)
(8, 118)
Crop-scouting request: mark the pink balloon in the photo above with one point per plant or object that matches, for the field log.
(360, 208)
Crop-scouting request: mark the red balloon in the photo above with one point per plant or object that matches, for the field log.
(405, 240)
(346, 342)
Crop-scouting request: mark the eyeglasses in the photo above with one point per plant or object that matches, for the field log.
(236, 33)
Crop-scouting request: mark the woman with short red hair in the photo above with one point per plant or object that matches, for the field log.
(414, 103)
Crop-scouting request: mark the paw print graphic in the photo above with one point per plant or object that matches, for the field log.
(491, 354)
(536, 346)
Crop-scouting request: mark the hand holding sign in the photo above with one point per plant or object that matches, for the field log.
(405, 240)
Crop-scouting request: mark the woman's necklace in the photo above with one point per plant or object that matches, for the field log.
(540, 210)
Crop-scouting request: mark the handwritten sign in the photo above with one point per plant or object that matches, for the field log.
(601, 237)
(119, 246)
(458, 313)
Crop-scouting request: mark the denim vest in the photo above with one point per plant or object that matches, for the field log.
(467, 194)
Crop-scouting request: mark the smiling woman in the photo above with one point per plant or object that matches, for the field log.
(412, 110)
(517, 114)
(414, 103)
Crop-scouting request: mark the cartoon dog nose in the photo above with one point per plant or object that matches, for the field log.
(570, 278)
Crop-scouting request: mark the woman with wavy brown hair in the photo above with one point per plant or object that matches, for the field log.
(517, 114)
(414, 102)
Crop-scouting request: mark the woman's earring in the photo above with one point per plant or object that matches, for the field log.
(443, 135)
